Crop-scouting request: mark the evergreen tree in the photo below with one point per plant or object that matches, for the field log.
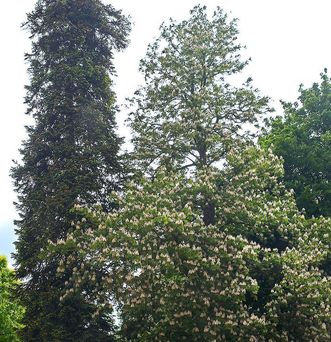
(303, 139)
(189, 112)
(70, 156)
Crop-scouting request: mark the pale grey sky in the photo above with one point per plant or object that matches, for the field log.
(288, 41)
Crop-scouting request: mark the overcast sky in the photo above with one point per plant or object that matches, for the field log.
(288, 40)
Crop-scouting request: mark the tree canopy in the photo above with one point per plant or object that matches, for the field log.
(171, 277)
(303, 139)
(188, 113)
(11, 312)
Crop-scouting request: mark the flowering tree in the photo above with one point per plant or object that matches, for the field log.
(299, 306)
(171, 277)
(253, 201)
(189, 112)
(294, 288)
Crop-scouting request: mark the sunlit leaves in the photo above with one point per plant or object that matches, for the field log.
(11, 312)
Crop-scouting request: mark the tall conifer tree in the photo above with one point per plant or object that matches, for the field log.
(70, 156)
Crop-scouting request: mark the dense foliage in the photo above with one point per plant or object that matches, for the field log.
(174, 278)
(171, 277)
(70, 156)
(303, 139)
(11, 313)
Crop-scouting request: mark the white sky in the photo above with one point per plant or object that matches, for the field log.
(288, 40)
